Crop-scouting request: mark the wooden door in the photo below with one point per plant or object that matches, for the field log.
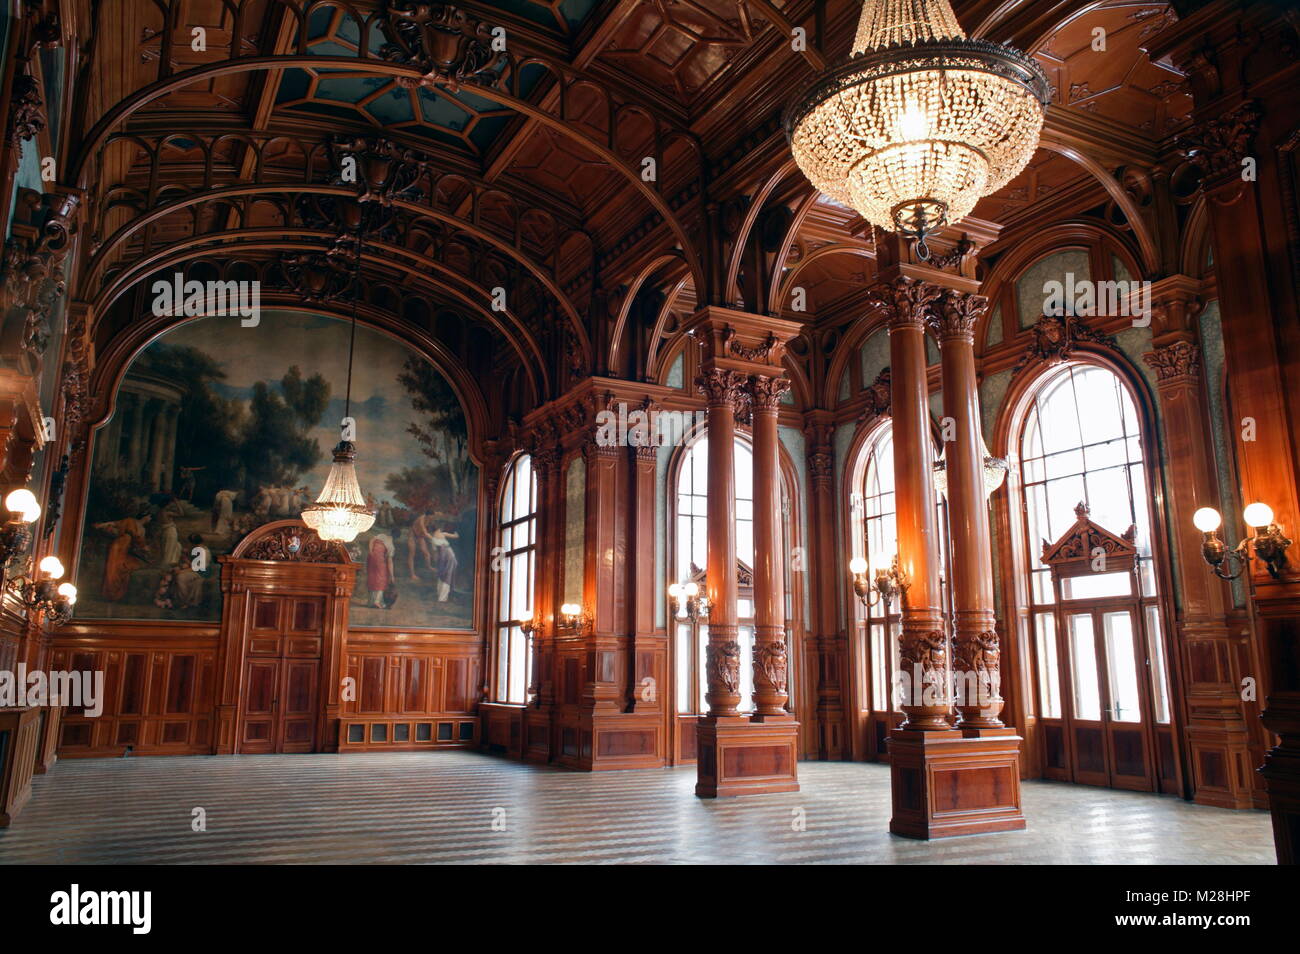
(280, 702)
(1107, 711)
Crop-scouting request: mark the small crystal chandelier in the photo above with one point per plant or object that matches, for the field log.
(995, 471)
(341, 512)
(921, 122)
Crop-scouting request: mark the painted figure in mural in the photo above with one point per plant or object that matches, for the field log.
(127, 553)
(262, 504)
(444, 561)
(187, 482)
(169, 540)
(223, 512)
(379, 569)
(420, 540)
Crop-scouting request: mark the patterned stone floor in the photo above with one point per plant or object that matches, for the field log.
(460, 807)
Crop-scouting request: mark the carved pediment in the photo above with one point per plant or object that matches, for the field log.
(1073, 553)
(744, 574)
(289, 541)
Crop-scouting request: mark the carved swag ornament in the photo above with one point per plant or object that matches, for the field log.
(295, 545)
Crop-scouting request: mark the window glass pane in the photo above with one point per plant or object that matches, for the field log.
(685, 658)
(514, 557)
(1083, 658)
(1159, 677)
(503, 665)
(1096, 586)
(1121, 662)
(518, 671)
(1049, 671)
(879, 673)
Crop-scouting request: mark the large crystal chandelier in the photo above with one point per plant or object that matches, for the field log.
(921, 122)
(341, 512)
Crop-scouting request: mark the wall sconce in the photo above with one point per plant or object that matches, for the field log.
(527, 623)
(690, 603)
(888, 585)
(16, 534)
(46, 597)
(571, 615)
(1269, 542)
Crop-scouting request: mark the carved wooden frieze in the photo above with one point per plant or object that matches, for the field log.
(294, 545)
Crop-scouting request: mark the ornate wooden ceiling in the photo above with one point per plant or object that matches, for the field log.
(613, 149)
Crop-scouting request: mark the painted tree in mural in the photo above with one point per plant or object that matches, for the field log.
(276, 448)
(447, 484)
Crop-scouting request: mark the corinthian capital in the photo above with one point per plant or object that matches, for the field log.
(1180, 360)
(767, 391)
(723, 387)
(908, 302)
(957, 315)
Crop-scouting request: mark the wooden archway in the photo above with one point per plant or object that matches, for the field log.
(284, 621)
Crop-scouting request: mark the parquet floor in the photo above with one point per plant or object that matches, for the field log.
(464, 807)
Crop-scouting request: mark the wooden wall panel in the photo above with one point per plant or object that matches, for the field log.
(412, 690)
(158, 687)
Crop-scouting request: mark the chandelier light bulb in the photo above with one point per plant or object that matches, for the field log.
(52, 567)
(1258, 515)
(23, 502)
(1207, 520)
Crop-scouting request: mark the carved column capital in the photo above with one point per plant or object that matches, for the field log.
(766, 391)
(723, 388)
(957, 315)
(1180, 361)
(1217, 146)
(908, 302)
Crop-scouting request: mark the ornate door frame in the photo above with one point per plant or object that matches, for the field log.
(284, 558)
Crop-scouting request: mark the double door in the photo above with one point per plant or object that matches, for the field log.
(1108, 715)
(280, 699)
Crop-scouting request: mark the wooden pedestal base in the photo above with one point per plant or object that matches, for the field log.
(740, 757)
(947, 783)
(19, 737)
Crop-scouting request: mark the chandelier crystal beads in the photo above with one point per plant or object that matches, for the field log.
(921, 122)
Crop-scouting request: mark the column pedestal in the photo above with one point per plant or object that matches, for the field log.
(740, 757)
(955, 782)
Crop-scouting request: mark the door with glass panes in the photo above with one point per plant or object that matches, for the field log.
(1106, 706)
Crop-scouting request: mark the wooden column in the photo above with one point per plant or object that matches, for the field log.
(923, 656)
(1209, 653)
(741, 362)
(828, 652)
(944, 781)
(770, 643)
(722, 388)
(976, 647)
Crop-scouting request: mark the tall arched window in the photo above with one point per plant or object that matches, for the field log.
(517, 543)
(1101, 663)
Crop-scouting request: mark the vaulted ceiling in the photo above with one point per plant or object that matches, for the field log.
(580, 165)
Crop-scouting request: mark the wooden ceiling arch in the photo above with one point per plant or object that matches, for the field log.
(273, 242)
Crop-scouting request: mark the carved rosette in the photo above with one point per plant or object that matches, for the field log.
(722, 665)
(1218, 146)
(957, 316)
(724, 388)
(1180, 361)
(765, 392)
(771, 664)
(908, 302)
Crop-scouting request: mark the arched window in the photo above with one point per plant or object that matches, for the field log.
(1100, 657)
(517, 548)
